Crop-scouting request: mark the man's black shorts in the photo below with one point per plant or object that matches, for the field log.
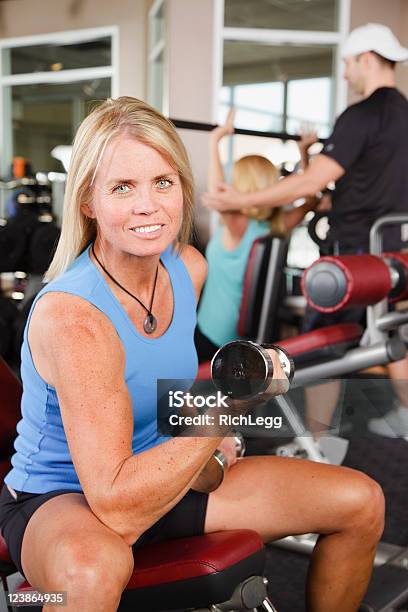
(185, 519)
(314, 319)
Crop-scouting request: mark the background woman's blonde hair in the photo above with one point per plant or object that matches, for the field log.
(111, 118)
(255, 173)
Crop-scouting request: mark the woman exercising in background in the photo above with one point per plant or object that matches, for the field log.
(228, 250)
(91, 477)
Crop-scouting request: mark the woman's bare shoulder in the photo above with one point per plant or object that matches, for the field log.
(66, 330)
(57, 310)
(196, 265)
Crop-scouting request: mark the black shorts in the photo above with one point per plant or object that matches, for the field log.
(185, 519)
(314, 319)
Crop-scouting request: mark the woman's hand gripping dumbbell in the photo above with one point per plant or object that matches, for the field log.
(246, 373)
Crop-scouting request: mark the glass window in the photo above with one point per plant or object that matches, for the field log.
(51, 57)
(47, 115)
(302, 250)
(225, 96)
(282, 14)
(259, 105)
(225, 103)
(157, 26)
(309, 101)
(276, 88)
(157, 82)
(157, 88)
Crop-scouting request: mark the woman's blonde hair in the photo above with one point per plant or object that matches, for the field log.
(109, 119)
(255, 173)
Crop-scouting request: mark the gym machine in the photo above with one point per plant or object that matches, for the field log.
(338, 350)
(27, 240)
(374, 280)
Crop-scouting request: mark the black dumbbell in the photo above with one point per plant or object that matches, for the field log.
(244, 370)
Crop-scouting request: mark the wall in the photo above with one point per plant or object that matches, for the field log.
(402, 70)
(394, 14)
(190, 46)
(190, 49)
(47, 16)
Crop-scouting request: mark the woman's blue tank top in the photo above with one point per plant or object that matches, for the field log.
(42, 461)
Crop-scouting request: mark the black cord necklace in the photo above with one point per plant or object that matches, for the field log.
(150, 322)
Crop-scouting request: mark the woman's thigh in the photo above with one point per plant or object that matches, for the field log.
(279, 496)
(64, 537)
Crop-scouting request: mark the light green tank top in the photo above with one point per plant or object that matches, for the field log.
(220, 302)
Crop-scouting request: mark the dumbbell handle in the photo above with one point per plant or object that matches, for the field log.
(212, 474)
(286, 362)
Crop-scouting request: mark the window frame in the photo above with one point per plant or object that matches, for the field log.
(62, 76)
(280, 37)
(157, 48)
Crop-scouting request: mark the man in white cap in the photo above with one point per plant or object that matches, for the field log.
(367, 157)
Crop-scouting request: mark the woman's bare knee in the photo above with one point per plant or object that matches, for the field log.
(65, 547)
(364, 506)
(93, 569)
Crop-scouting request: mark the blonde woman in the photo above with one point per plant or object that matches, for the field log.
(91, 479)
(228, 250)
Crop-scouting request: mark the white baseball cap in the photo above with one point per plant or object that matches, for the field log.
(374, 37)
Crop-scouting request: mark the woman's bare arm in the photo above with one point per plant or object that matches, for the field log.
(323, 170)
(76, 349)
(307, 138)
(235, 223)
(215, 168)
(295, 216)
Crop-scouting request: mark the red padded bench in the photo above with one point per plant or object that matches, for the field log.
(185, 573)
(10, 398)
(321, 344)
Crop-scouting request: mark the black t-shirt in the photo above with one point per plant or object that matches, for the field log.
(370, 141)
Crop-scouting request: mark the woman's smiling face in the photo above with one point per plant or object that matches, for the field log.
(137, 198)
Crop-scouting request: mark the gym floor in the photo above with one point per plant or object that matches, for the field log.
(383, 459)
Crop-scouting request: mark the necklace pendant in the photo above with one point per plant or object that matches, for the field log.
(150, 323)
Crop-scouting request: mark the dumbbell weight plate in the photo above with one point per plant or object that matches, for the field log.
(241, 369)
